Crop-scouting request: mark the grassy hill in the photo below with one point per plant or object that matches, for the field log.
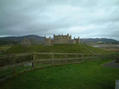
(64, 48)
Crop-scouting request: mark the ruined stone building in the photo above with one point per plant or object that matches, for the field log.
(62, 39)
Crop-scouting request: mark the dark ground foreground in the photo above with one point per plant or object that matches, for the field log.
(112, 64)
(86, 75)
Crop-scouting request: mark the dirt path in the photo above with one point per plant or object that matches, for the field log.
(112, 64)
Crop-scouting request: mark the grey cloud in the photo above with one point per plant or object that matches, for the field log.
(86, 18)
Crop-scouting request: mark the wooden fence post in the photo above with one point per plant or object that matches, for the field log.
(52, 57)
(66, 56)
(33, 60)
(14, 65)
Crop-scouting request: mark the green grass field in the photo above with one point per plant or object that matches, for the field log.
(87, 75)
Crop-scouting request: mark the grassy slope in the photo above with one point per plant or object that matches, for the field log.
(4, 48)
(87, 75)
(82, 48)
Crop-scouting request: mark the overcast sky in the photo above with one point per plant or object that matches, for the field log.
(84, 18)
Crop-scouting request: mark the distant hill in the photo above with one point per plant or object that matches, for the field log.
(99, 41)
(34, 39)
(17, 40)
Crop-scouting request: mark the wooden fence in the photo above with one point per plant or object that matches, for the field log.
(19, 63)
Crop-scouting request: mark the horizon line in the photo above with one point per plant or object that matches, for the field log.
(3, 36)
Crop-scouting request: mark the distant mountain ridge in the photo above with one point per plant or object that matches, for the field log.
(100, 41)
(40, 40)
(17, 40)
